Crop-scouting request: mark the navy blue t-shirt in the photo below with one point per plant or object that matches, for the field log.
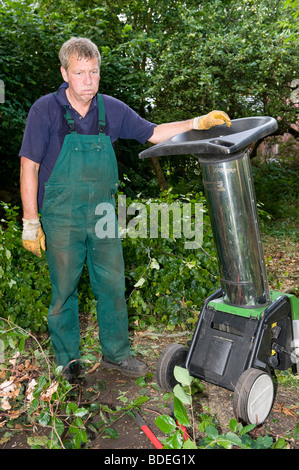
(46, 128)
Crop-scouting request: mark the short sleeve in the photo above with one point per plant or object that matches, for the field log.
(136, 127)
(124, 123)
(36, 133)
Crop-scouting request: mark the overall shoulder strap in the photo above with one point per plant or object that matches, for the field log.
(101, 121)
(68, 117)
(102, 114)
(70, 121)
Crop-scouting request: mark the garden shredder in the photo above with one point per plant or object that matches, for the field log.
(244, 331)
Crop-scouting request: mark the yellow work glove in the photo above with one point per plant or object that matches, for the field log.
(214, 118)
(33, 237)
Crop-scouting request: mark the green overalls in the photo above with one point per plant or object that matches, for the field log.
(84, 177)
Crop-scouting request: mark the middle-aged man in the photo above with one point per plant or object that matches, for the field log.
(68, 168)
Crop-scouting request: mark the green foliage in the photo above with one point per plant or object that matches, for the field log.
(164, 59)
(24, 279)
(35, 396)
(232, 55)
(238, 437)
(276, 184)
(167, 282)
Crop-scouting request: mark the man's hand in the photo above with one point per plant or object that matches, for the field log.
(168, 130)
(214, 118)
(33, 237)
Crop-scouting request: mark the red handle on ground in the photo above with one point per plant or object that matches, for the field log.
(151, 436)
(184, 430)
(144, 427)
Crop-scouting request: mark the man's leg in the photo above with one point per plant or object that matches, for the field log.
(65, 267)
(106, 270)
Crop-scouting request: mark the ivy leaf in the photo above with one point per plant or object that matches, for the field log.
(165, 423)
(264, 442)
(188, 444)
(180, 412)
(81, 412)
(180, 393)
(154, 264)
(140, 282)
(211, 432)
(182, 375)
(112, 433)
(230, 439)
(44, 418)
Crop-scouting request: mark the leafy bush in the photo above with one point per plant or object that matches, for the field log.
(276, 185)
(24, 279)
(166, 281)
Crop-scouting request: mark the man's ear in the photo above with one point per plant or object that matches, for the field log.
(64, 74)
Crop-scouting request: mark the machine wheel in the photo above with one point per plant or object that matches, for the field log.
(253, 396)
(173, 355)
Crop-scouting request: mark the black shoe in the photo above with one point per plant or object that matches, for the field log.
(130, 366)
(72, 373)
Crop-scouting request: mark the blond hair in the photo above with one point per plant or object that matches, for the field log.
(82, 48)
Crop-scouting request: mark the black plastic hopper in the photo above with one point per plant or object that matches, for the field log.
(217, 143)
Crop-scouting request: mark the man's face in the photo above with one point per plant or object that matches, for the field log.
(83, 77)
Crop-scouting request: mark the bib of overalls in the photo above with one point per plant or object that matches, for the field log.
(84, 176)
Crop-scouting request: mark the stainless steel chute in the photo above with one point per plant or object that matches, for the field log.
(225, 164)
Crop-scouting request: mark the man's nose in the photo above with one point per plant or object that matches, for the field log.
(88, 78)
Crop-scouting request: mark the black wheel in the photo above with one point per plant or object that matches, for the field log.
(173, 355)
(253, 396)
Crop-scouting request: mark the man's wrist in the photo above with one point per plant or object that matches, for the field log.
(196, 122)
(30, 228)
